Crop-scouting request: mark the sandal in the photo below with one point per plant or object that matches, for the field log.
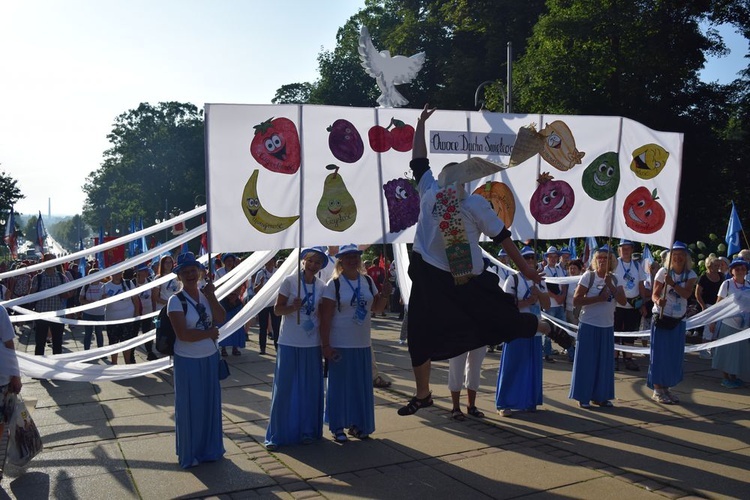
(585, 406)
(415, 404)
(224, 352)
(474, 412)
(381, 383)
(236, 352)
(631, 365)
(357, 433)
(339, 436)
(604, 404)
(457, 415)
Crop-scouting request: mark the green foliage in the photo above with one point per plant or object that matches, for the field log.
(69, 232)
(10, 193)
(157, 154)
(29, 229)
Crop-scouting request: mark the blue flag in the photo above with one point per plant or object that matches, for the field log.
(82, 261)
(733, 233)
(572, 247)
(647, 257)
(100, 255)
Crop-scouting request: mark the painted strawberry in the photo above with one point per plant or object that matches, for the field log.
(276, 145)
(552, 201)
(345, 142)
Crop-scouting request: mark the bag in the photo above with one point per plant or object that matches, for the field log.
(636, 302)
(24, 442)
(165, 336)
(223, 369)
(666, 322)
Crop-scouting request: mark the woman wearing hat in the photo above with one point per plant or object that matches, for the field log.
(349, 301)
(197, 393)
(673, 286)
(593, 378)
(93, 292)
(297, 397)
(733, 359)
(519, 382)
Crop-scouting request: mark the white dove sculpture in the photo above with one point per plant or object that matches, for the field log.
(388, 71)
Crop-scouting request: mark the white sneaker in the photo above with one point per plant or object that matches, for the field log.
(705, 354)
(505, 412)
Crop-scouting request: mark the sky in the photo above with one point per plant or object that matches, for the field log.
(70, 68)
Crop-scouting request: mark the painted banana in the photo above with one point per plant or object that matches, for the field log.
(256, 215)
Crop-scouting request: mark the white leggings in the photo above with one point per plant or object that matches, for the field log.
(465, 370)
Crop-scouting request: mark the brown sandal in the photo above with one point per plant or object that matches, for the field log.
(381, 383)
(474, 412)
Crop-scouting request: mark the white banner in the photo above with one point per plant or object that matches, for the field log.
(302, 175)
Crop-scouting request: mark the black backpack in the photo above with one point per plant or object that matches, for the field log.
(165, 336)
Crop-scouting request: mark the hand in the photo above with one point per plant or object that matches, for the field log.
(296, 304)
(426, 113)
(608, 281)
(329, 352)
(209, 289)
(213, 333)
(533, 274)
(662, 302)
(15, 384)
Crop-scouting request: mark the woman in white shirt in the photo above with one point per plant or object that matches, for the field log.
(197, 392)
(297, 398)
(349, 301)
(593, 378)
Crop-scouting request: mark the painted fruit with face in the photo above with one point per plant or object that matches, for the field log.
(649, 160)
(552, 200)
(403, 204)
(602, 178)
(501, 198)
(275, 145)
(345, 142)
(559, 146)
(642, 212)
(336, 210)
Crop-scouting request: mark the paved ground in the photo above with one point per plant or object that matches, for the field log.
(116, 440)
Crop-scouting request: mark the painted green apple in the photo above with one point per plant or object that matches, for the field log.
(602, 178)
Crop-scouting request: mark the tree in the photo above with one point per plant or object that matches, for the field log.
(293, 93)
(10, 193)
(69, 232)
(29, 230)
(157, 156)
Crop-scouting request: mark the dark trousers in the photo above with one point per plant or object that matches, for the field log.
(41, 328)
(626, 320)
(263, 318)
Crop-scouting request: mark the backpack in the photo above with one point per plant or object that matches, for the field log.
(165, 336)
(337, 286)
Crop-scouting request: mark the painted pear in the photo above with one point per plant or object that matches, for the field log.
(336, 209)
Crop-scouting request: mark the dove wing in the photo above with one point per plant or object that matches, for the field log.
(371, 58)
(404, 69)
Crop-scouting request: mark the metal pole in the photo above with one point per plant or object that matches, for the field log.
(509, 79)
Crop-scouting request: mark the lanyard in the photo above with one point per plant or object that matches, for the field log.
(627, 271)
(309, 300)
(355, 292)
(528, 289)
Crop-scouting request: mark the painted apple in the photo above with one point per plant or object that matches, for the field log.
(379, 138)
(501, 198)
(402, 136)
(345, 142)
(552, 200)
(275, 145)
(602, 178)
(642, 212)
(649, 160)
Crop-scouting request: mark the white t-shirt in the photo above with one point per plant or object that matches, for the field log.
(676, 306)
(345, 332)
(168, 289)
(123, 308)
(523, 292)
(601, 314)
(293, 334)
(554, 272)
(200, 348)
(569, 299)
(94, 292)
(221, 272)
(476, 213)
(727, 288)
(262, 277)
(630, 276)
(6, 333)
(146, 305)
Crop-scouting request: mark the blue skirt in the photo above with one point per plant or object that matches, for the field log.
(519, 383)
(297, 397)
(237, 339)
(732, 358)
(593, 368)
(667, 353)
(350, 401)
(197, 410)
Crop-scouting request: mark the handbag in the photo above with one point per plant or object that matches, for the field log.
(223, 369)
(666, 322)
(24, 442)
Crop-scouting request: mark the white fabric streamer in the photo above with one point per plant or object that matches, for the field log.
(401, 254)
